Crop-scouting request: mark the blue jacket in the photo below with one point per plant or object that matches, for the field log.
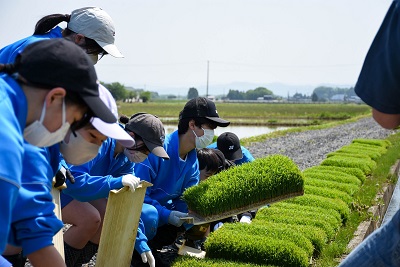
(95, 179)
(169, 178)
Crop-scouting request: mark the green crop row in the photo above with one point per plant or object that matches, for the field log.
(262, 180)
(366, 165)
(338, 171)
(259, 249)
(344, 187)
(375, 142)
(333, 177)
(188, 261)
(327, 192)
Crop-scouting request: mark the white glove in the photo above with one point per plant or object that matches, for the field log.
(147, 256)
(245, 219)
(217, 226)
(175, 218)
(131, 181)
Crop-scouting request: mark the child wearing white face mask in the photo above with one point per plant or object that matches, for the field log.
(83, 203)
(163, 207)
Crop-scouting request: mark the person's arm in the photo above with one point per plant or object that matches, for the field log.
(388, 121)
(192, 178)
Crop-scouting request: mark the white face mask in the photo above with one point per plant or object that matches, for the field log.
(37, 134)
(204, 140)
(135, 156)
(78, 150)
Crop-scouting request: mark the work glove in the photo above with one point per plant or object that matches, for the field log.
(217, 226)
(131, 181)
(175, 218)
(245, 219)
(147, 256)
(62, 175)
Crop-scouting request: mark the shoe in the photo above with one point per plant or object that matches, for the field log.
(166, 256)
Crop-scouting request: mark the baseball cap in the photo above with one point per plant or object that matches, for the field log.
(201, 107)
(229, 144)
(113, 130)
(96, 24)
(58, 62)
(151, 129)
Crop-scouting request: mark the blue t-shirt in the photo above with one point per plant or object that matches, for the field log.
(247, 156)
(169, 178)
(379, 82)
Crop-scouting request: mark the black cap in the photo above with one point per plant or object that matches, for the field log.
(229, 144)
(151, 129)
(61, 63)
(201, 107)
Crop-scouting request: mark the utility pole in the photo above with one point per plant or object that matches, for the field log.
(208, 64)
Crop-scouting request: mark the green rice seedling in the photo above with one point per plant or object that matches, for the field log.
(283, 233)
(323, 202)
(374, 142)
(315, 234)
(188, 261)
(374, 155)
(344, 187)
(339, 170)
(334, 177)
(365, 147)
(262, 181)
(328, 192)
(259, 249)
(364, 164)
(291, 206)
(352, 155)
(327, 222)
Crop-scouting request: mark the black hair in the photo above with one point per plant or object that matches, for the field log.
(209, 160)
(124, 120)
(183, 124)
(8, 68)
(45, 24)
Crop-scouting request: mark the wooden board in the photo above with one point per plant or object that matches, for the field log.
(197, 219)
(120, 226)
(58, 239)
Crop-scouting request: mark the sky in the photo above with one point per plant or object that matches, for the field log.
(171, 45)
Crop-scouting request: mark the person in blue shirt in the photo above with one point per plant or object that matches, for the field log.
(163, 209)
(41, 99)
(378, 85)
(84, 202)
(229, 144)
(82, 29)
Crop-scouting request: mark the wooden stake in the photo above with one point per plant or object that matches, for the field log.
(120, 225)
(58, 239)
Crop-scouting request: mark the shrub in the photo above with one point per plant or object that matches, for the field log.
(264, 180)
(345, 187)
(323, 202)
(255, 249)
(339, 171)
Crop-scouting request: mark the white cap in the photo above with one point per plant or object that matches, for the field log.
(96, 24)
(113, 130)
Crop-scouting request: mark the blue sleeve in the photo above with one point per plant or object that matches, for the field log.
(4, 262)
(8, 197)
(87, 187)
(147, 170)
(192, 178)
(141, 239)
(379, 81)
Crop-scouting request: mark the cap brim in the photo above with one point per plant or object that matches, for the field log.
(238, 154)
(157, 150)
(99, 109)
(220, 122)
(114, 131)
(110, 49)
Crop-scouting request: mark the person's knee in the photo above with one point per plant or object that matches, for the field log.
(149, 217)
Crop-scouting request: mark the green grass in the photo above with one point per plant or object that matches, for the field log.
(255, 113)
(363, 200)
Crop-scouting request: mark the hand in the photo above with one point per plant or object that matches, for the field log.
(131, 181)
(245, 219)
(61, 176)
(175, 218)
(147, 256)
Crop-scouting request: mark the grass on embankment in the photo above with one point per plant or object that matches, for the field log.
(364, 199)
